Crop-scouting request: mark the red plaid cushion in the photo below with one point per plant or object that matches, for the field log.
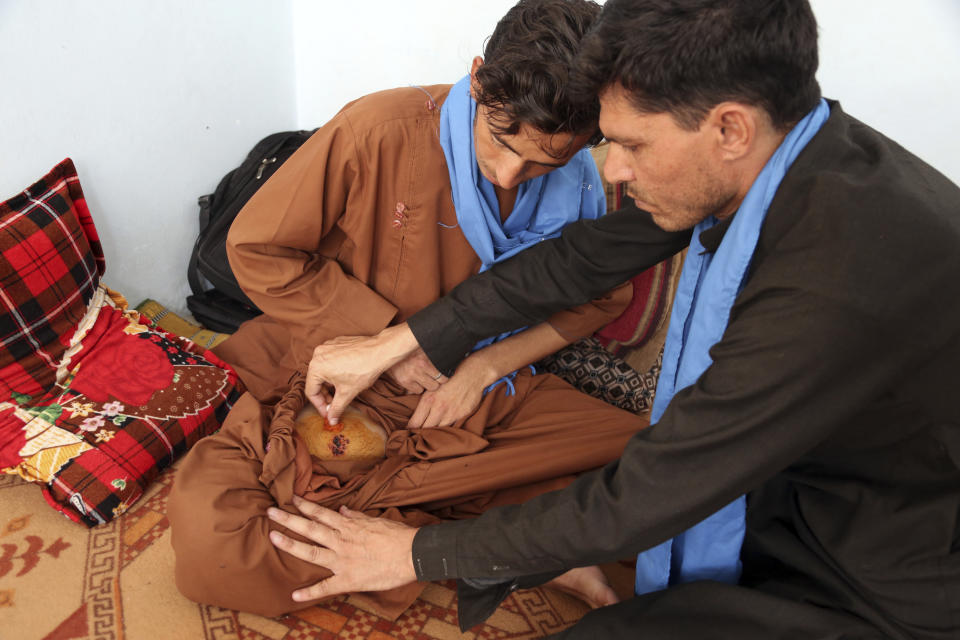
(133, 400)
(50, 265)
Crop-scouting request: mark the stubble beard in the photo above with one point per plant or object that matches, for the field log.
(708, 198)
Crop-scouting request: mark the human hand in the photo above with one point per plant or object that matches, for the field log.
(416, 373)
(352, 364)
(456, 399)
(364, 554)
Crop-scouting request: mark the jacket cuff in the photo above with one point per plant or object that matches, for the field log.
(441, 336)
(435, 558)
(435, 551)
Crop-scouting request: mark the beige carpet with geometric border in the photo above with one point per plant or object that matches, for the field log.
(60, 580)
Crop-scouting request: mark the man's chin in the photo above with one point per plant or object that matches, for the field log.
(664, 220)
(657, 216)
(660, 221)
(668, 223)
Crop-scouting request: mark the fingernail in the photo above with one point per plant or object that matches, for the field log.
(276, 537)
(274, 514)
(297, 499)
(298, 597)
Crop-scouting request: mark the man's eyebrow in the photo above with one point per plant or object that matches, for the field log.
(615, 139)
(552, 165)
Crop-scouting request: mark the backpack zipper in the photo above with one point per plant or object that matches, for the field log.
(263, 165)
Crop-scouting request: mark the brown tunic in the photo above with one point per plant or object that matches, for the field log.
(357, 231)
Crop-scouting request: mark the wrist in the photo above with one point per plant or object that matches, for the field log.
(396, 343)
(481, 369)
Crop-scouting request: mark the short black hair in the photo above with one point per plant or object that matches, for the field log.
(684, 57)
(526, 68)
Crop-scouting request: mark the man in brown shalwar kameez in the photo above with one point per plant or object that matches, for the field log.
(367, 223)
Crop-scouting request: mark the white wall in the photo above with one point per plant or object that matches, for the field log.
(154, 101)
(345, 50)
(896, 66)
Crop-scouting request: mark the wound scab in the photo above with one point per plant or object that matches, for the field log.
(355, 437)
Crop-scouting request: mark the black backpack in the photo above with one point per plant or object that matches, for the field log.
(222, 306)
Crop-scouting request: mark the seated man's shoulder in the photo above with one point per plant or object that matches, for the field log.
(857, 176)
(403, 103)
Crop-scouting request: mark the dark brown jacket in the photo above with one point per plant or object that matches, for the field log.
(831, 402)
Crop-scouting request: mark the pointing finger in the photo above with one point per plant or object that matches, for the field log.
(338, 405)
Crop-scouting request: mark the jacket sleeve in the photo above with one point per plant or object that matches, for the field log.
(588, 259)
(284, 243)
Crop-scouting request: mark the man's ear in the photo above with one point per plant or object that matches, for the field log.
(734, 127)
(474, 87)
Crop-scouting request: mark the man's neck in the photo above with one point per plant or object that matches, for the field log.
(506, 198)
(750, 168)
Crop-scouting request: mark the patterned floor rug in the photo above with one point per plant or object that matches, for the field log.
(60, 580)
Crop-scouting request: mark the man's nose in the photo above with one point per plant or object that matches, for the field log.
(615, 167)
(510, 173)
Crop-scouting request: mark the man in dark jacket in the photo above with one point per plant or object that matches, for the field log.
(823, 308)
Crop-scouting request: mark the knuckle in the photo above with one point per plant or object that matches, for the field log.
(312, 529)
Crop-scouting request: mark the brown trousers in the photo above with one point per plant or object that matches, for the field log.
(509, 450)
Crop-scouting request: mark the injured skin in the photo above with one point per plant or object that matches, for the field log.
(588, 584)
(354, 437)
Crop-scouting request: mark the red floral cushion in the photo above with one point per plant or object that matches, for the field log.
(50, 265)
(130, 398)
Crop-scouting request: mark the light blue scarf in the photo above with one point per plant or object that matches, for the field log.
(544, 205)
(709, 284)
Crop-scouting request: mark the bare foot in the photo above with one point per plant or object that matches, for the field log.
(588, 584)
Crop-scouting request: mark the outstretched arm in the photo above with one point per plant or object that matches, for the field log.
(718, 439)
(589, 258)
(459, 397)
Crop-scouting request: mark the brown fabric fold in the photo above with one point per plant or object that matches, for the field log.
(537, 440)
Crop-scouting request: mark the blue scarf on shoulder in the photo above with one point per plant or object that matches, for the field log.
(544, 205)
(709, 284)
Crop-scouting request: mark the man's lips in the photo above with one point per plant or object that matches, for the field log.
(637, 201)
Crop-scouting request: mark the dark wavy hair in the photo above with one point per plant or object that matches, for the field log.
(526, 67)
(684, 57)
